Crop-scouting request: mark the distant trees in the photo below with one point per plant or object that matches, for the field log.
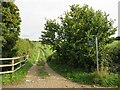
(23, 46)
(10, 27)
(0, 30)
(70, 37)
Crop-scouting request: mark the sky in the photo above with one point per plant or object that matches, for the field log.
(34, 12)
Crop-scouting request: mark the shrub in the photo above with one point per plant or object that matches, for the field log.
(100, 79)
(113, 52)
(10, 24)
(21, 73)
(23, 46)
(105, 79)
(71, 36)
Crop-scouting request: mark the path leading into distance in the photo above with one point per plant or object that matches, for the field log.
(54, 80)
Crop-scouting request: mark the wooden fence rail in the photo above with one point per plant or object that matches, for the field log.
(13, 62)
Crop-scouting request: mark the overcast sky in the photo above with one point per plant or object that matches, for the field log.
(34, 12)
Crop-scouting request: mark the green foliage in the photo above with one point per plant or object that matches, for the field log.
(112, 56)
(44, 53)
(44, 50)
(70, 37)
(22, 72)
(105, 79)
(10, 27)
(77, 75)
(23, 46)
(40, 63)
(42, 73)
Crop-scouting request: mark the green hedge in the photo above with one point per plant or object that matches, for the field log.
(23, 46)
(18, 76)
(82, 77)
(113, 52)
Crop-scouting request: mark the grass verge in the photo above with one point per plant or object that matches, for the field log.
(108, 80)
(42, 73)
(21, 73)
(40, 63)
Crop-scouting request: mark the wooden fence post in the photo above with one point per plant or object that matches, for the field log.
(13, 65)
(21, 62)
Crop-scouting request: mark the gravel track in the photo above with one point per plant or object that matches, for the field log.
(54, 80)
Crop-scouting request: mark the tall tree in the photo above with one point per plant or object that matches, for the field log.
(0, 30)
(78, 27)
(10, 27)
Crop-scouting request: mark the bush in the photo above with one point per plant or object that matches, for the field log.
(105, 79)
(10, 24)
(77, 75)
(72, 36)
(113, 52)
(23, 46)
(22, 72)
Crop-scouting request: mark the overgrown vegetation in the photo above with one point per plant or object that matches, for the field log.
(42, 73)
(40, 63)
(12, 45)
(44, 53)
(71, 37)
(73, 40)
(23, 46)
(10, 28)
(113, 56)
(45, 50)
(109, 78)
(22, 72)
(80, 76)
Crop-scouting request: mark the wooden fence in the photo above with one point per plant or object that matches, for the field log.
(13, 63)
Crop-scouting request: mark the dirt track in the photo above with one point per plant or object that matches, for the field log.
(54, 80)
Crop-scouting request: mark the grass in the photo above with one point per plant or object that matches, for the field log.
(44, 50)
(16, 76)
(44, 53)
(42, 72)
(76, 75)
(40, 63)
(22, 72)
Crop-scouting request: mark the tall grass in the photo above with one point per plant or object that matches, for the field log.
(105, 79)
(82, 77)
(22, 72)
(45, 50)
(44, 53)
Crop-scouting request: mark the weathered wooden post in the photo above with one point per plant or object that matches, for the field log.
(20, 62)
(12, 65)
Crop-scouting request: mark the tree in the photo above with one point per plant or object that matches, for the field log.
(23, 46)
(0, 30)
(10, 27)
(70, 38)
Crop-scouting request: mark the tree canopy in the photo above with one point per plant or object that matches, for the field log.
(70, 37)
(10, 27)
